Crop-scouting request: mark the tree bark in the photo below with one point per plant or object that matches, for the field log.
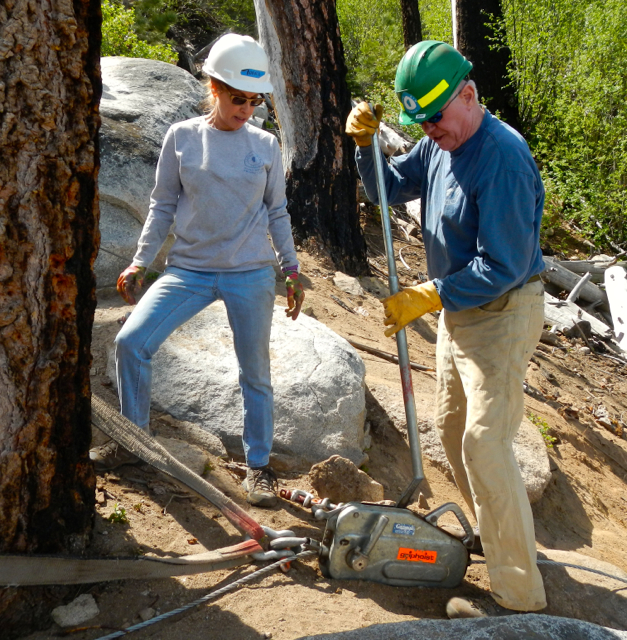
(412, 27)
(312, 101)
(49, 93)
(473, 38)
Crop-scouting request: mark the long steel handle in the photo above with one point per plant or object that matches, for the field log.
(401, 336)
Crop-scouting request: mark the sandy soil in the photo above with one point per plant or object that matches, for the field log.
(584, 508)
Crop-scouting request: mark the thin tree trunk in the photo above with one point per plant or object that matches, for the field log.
(49, 93)
(474, 37)
(412, 27)
(312, 101)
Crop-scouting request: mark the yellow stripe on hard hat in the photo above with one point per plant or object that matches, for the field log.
(436, 92)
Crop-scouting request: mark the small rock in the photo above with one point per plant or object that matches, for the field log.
(347, 284)
(422, 501)
(584, 351)
(147, 614)
(77, 612)
(341, 481)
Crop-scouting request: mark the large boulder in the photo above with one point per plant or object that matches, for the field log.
(529, 447)
(516, 627)
(140, 100)
(318, 380)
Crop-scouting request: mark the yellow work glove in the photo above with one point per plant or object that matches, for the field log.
(361, 124)
(409, 304)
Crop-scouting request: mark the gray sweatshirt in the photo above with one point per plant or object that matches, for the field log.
(223, 191)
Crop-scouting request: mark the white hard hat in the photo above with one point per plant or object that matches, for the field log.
(240, 62)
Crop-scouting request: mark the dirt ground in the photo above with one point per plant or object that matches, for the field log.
(584, 508)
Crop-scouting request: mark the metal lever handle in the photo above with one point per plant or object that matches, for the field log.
(358, 559)
(401, 336)
(433, 516)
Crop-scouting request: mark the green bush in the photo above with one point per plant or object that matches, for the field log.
(119, 37)
(569, 61)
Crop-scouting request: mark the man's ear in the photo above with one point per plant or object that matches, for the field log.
(468, 95)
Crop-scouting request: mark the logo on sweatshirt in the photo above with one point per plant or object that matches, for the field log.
(253, 163)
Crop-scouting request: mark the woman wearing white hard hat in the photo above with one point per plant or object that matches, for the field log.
(220, 188)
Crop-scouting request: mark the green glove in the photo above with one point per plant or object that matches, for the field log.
(130, 282)
(409, 304)
(295, 294)
(361, 124)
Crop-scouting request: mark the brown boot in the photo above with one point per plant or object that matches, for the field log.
(261, 485)
(111, 455)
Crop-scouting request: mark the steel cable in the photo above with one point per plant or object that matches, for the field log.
(209, 596)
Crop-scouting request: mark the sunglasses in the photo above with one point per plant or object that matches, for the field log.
(240, 100)
(434, 119)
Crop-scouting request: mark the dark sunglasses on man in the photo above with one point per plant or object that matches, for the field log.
(240, 100)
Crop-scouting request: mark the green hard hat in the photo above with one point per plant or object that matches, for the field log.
(426, 77)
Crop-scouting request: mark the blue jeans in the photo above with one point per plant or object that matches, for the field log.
(177, 296)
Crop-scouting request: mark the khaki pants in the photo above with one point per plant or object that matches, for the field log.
(482, 358)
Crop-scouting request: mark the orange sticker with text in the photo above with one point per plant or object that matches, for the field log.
(417, 555)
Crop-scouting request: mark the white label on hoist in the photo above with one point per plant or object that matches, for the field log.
(404, 529)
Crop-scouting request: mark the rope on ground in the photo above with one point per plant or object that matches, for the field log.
(209, 596)
(567, 564)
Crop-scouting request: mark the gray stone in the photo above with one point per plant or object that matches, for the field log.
(533, 459)
(140, 100)
(347, 284)
(318, 380)
(80, 610)
(341, 481)
(576, 592)
(529, 447)
(527, 627)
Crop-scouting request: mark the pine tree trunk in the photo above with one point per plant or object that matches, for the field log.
(474, 37)
(312, 101)
(412, 27)
(49, 92)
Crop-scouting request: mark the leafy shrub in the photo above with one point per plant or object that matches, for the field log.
(568, 68)
(119, 37)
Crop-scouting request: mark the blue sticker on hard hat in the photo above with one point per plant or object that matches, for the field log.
(410, 104)
(252, 73)
(404, 529)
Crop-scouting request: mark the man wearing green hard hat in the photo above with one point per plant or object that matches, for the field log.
(481, 205)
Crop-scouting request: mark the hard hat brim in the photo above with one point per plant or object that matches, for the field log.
(405, 118)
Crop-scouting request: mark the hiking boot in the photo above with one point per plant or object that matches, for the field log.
(111, 455)
(483, 608)
(260, 486)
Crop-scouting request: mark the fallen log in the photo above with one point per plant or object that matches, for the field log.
(564, 315)
(596, 268)
(559, 275)
(384, 355)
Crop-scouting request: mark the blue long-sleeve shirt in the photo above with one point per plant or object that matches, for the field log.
(481, 207)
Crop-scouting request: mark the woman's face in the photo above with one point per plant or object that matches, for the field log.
(225, 115)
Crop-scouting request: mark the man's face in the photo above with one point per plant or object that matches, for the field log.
(455, 127)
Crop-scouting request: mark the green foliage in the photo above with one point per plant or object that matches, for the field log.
(119, 37)
(152, 19)
(436, 19)
(372, 36)
(118, 516)
(544, 429)
(568, 67)
(217, 16)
